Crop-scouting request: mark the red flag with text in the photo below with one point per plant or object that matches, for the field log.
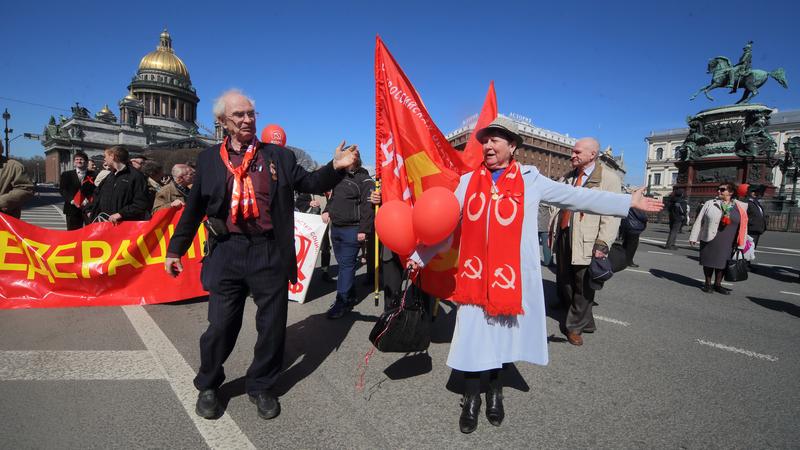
(413, 155)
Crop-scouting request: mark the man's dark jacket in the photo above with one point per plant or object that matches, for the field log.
(756, 219)
(124, 192)
(68, 186)
(349, 205)
(210, 197)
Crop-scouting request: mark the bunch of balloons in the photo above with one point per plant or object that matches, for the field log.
(432, 219)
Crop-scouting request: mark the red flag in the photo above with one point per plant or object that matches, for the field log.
(473, 152)
(412, 155)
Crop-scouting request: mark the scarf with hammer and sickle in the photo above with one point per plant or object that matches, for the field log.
(491, 232)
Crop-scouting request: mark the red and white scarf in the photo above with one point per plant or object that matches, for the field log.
(243, 194)
(491, 233)
(78, 198)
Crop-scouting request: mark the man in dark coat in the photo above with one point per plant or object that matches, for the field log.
(246, 189)
(123, 194)
(77, 187)
(630, 228)
(756, 218)
(677, 217)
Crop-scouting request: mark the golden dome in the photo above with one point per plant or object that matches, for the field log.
(130, 96)
(105, 110)
(164, 58)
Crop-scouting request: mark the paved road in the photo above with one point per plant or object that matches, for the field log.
(669, 367)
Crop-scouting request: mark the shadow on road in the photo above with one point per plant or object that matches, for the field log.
(680, 279)
(775, 273)
(777, 305)
(410, 366)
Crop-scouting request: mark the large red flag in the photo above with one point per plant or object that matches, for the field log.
(413, 155)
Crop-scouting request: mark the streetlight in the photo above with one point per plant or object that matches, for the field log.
(6, 116)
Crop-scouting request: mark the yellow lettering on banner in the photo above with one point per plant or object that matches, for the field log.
(419, 166)
(201, 239)
(90, 261)
(149, 259)
(7, 248)
(55, 258)
(123, 257)
(36, 261)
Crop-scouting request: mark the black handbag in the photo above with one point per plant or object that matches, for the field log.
(405, 328)
(736, 269)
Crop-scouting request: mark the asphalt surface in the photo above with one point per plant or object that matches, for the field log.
(669, 367)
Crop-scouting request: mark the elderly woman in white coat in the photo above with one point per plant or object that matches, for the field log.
(501, 316)
(720, 227)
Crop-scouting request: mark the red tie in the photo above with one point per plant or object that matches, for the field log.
(565, 213)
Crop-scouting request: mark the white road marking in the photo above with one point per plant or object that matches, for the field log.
(738, 350)
(652, 241)
(777, 266)
(777, 253)
(724, 282)
(60, 212)
(659, 253)
(779, 248)
(790, 293)
(606, 319)
(220, 433)
(79, 365)
(637, 271)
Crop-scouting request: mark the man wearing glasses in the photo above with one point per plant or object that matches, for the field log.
(246, 189)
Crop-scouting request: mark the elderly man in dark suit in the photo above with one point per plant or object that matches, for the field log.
(246, 189)
(77, 187)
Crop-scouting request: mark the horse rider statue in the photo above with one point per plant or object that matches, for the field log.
(742, 68)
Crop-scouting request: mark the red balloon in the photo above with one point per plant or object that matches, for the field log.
(436, 214)
(394, 227)
(273, 134)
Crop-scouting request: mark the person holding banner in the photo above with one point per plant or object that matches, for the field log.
(77, 187)
(246, 189)
(501, 314)
(123, 194)
(16, 187)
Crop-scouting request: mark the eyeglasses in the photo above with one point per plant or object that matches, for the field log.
(239, 116)
(722, 189)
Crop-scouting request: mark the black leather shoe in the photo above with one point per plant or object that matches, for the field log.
(707, 289)
(722, 290)
(208, 406)
(494, 407)
(470, 409)
(268, 406)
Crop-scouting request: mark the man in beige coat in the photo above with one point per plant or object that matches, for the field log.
(174, 193)
(16, 187)
(580, 236)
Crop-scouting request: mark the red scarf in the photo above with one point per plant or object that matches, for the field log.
(491, 233)
(243, 194)
(78, 199)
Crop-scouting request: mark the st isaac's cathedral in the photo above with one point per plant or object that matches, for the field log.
(159, 112)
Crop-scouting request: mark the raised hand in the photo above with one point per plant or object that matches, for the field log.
(344, 158)
(646, 204)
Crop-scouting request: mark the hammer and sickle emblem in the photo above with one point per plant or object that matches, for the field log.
(512, 173)
(474, 272)
(473, 217)
(504, 221)
(507, 283)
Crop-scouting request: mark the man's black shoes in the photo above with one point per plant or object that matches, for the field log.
(338, 309)
(268, 406)
(208, 406)
(470, 409)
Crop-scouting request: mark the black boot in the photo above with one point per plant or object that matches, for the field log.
(494, 406)
(470, 409)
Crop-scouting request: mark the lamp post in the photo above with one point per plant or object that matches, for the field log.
(6, 116)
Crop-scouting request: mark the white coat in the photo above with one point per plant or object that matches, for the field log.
(481, 342)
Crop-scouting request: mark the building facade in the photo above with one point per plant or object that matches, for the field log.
(548, 150)
(661, 173)
(159, 111)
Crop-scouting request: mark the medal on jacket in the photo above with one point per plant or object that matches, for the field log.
(495, 194)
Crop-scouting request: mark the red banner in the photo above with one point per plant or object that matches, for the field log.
(413, 155)
(98, 265)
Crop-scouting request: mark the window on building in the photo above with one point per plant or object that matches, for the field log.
(674, 177)
(657, 179)
(659, 153)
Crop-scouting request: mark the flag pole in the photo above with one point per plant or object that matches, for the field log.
(377, 248)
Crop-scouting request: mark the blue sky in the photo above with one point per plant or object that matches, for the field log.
(613, 70)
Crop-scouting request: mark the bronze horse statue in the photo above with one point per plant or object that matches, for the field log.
(722, 77)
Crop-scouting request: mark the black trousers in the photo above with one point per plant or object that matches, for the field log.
(236, 267)
(630, 242)
(573, 287)
(392, 271)
(674, 228)
(74, 217)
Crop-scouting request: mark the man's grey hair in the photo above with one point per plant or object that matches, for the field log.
(594, 143)
(219, 102)
(179, 170)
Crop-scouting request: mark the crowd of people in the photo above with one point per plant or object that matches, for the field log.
(246, 191)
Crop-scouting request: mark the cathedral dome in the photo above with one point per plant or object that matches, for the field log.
(163, 59)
